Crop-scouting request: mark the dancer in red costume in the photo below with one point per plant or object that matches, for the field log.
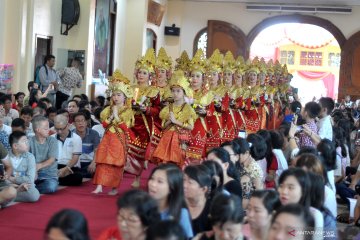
(147, 128)
(201, 101)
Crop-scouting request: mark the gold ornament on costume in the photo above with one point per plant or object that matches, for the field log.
(229, 62)
(178, 79)
(163, 60)
(183, 62)
(198, 62)
(119, 83)
(240, 66)
(147, 62)
(252, 66)
(215, 61)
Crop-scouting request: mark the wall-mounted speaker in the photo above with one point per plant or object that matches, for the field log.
(70, 12)
(172, 31)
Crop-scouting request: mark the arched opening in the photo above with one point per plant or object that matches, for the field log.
(312, 55)
(151, 39)
(200, 40)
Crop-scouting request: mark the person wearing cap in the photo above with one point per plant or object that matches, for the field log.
(177, 122)
(112, 150)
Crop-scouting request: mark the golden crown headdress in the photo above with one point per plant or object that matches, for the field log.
(163, 60)
(178, 79)
(229, 62)
(270, 66)
(215, 61)
(147, 62)
(240, 66)
(285, 71)
(119, 83)
(262, 65)
(198, 62)
(252, 66)
(183, 62)
(277, 67)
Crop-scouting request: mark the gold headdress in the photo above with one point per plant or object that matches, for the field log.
(147, 62)
(183, 62)
(198, 62)
(285, 71)
(270, 66)
(163, 60)
(229, 62)
(262, 65)
(119, 83)
(277, 67)
(252, 66)
(215, 61)
(178, 79)
(240, 66)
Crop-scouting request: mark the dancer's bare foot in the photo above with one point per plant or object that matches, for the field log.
(97, 190)
(113, 192)
(136, 183)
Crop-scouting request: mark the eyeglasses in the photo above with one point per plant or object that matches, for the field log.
(129, 219)
(61, 129)
(80, 121)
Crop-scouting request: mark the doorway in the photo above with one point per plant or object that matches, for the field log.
(43, 47)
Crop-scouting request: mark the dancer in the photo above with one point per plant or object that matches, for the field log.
(163, 74)
(112, 150)
(147, 126)
(177, 121)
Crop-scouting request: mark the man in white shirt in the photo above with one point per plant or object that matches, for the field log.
(324, 125)
(7, 112)
(70, 149)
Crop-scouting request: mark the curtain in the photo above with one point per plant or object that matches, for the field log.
(327, 77)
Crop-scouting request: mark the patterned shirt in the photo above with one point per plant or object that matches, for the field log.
(70, 78)
(304, 139)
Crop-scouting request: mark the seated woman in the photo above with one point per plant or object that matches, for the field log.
(250, 172)
(168, 229)
(226, 216)
(67, 224)
(197, 189)
(259, 212)
(290, 217)
(165, 185)
(136, 211)
(231, 176)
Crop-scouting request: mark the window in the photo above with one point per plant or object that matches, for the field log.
(334, 60)
(200, 41)
(311, 58)
(287, 57)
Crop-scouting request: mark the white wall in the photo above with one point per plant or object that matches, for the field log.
(193, 16)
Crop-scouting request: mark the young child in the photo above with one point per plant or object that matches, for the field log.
(177, 122)
(116, 119)
(24, 168)
(310, 112)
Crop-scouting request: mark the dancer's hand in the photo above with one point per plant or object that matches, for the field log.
(172, 117)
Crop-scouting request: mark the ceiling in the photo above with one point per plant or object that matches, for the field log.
(291, 2)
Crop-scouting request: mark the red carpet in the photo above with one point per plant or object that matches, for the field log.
(28, 220)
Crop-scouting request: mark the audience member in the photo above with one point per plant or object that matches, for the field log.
(309, 113)
(8, 113)
(7, 192)
(165, 230)
(69, 151)
(45, 150)
(67, 224)
(136, 212)
(48, 77)
(18, 124)
(165, 185)
(23, 168)
(90, 141)
(3, 127)
(26, 114)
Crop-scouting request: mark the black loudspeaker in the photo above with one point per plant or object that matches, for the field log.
(70, 12)
(172, 31)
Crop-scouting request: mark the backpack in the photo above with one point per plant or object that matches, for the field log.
(37, 75)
